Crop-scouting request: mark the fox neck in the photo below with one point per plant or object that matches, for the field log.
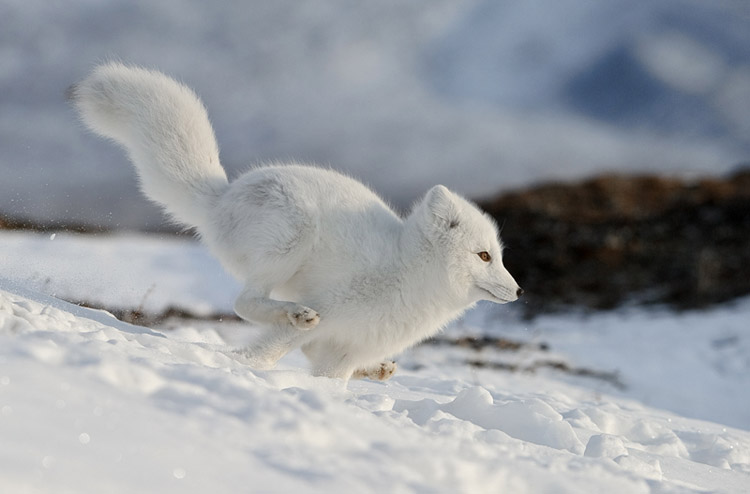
(425, 281)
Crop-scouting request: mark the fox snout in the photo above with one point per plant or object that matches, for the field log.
(500, 288)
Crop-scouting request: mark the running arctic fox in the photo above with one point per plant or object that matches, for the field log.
(326, 265)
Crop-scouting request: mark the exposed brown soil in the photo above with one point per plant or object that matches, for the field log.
(618, 239)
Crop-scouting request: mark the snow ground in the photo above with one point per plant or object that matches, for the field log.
(119, 271)
(91, 404)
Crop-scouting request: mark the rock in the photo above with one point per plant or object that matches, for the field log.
(619, 239)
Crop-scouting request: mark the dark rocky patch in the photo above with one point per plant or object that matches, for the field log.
(612, 378)
(483, 342)
(9, 223)
(140, 317)
(617, 239)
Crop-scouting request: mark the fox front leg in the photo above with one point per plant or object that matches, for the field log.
(255, 306)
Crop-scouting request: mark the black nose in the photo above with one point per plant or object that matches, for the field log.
(519, 292)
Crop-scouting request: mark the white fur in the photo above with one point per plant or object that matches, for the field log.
(327, 265)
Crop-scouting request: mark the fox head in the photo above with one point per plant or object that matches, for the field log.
(468, 246)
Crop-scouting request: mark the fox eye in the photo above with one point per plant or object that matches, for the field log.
(485, 256)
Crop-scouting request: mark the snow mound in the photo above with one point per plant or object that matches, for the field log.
(90, 404)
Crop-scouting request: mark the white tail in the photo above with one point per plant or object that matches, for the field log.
(165, 129)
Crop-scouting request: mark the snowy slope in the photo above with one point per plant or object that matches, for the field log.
(694, 364)
(91, 404)
(119, 271)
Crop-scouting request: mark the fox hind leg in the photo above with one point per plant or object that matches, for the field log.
(380, 372)
(330, 359)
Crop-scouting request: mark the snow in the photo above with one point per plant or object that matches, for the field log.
(477, 94)
(159, 271)
(694, 363)
(91, 404)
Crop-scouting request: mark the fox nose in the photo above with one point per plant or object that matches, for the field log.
(519, 292)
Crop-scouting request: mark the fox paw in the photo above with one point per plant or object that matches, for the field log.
(303, 318)
(380, 372)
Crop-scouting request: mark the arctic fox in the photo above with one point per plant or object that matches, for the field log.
(326, 265)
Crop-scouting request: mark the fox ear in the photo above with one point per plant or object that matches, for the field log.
(441, 207)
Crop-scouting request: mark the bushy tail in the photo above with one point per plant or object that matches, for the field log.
(164, 128)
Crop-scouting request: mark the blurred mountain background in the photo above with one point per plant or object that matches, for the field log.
(480, 95)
